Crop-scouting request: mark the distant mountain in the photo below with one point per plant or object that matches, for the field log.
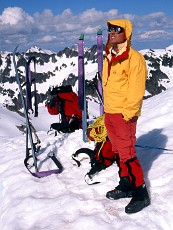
(62, 68)
(160, 71)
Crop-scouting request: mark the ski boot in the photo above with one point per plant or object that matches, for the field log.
(139, 201)
(123, 190)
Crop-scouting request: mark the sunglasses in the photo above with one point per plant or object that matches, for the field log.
(117, 29)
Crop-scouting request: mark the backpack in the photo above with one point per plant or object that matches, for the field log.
(102, 156)
(64, 101)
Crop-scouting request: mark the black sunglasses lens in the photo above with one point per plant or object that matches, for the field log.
(117, 29)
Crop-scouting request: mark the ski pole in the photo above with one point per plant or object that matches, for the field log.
(25, 110)
(152, 147)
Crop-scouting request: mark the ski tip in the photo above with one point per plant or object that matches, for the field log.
(99, 32)
(81, 37)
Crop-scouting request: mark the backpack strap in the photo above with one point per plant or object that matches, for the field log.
(90, 153)
(61, 111)
(87, 151)
(97, 161)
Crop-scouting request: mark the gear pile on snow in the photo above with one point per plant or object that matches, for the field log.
(102, 156)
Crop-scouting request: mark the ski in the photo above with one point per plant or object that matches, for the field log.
(33, 150)
(29, 81)
(81, 85)
(25, 112)
(100, 67)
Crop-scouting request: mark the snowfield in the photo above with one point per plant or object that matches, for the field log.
(66, 201)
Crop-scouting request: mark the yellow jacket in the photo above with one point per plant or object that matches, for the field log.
(123, 77)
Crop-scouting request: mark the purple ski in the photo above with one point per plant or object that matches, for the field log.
(81, 85)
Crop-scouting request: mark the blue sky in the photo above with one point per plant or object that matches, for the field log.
(140, 7)
(55, 24)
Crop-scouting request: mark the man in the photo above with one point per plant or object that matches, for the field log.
(124, 76)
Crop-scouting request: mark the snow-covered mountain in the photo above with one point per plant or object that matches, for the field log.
(160, 63)
(62, 68)
(51, 69)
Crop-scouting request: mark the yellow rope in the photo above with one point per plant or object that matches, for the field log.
(101, 134)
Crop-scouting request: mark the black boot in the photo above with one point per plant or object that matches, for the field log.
(123, 190)
(139, 201)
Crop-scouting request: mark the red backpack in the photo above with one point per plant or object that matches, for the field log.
(64, 101)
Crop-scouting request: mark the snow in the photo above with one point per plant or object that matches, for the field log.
(37, 49)
(66, 201)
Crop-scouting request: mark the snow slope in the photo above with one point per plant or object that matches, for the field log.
(65, 201)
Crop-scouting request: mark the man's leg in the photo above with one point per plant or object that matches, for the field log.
(140, 198)
(122, 134)
(124, 189)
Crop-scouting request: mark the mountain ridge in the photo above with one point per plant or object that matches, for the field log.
(62, 68)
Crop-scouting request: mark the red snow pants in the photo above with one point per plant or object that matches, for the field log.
(122, 135)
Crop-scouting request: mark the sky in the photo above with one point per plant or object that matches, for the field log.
(66, 201)
(56, 24)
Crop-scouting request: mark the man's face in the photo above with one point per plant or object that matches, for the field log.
(116, 35)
